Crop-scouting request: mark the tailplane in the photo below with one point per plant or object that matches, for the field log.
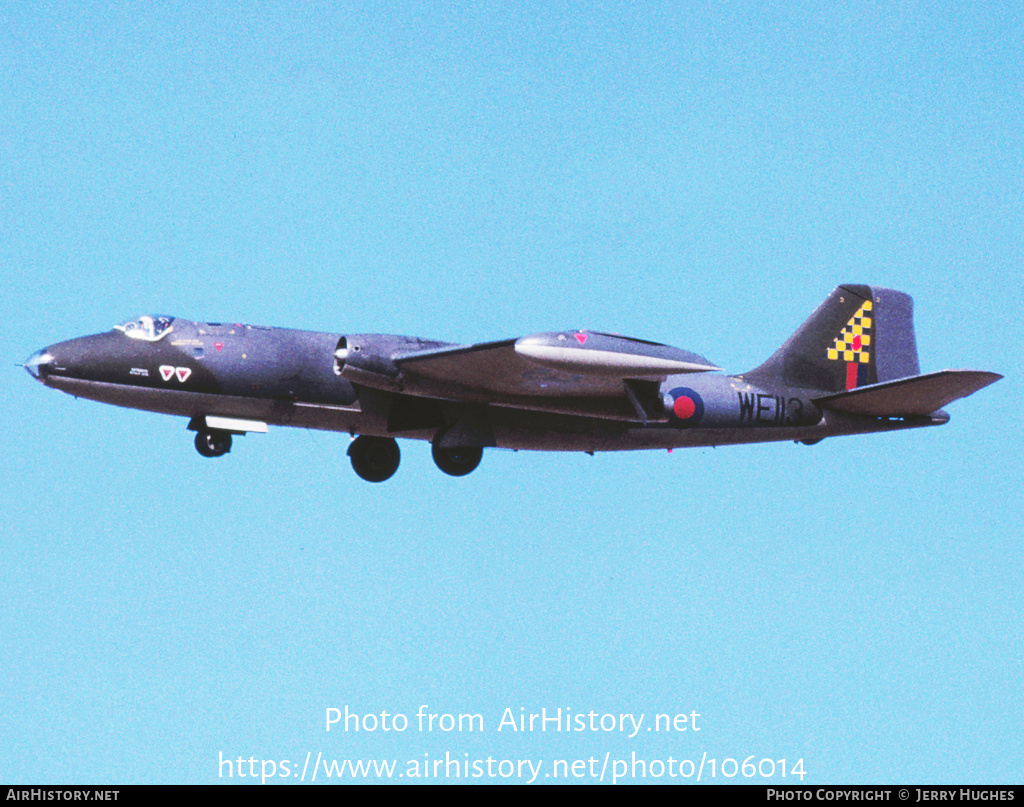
(909, 397)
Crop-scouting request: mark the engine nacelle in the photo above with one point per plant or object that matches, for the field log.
(369, 359)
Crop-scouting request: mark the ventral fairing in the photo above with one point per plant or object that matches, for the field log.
(851, 368)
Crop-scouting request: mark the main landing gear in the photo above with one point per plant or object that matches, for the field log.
(457, 461)
(213, 443)
(374, 458)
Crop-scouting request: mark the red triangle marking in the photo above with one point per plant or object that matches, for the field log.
(166, 372)
(219, 346)
(581, 338)
(183, 374)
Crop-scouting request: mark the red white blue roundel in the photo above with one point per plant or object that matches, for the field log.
(687, 407)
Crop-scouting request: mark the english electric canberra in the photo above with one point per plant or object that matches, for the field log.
(851, 368)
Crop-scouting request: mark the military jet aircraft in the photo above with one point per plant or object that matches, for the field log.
(851, 368)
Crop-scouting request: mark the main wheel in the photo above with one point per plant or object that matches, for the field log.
(374, 458)
(213, 443)
(457, 461)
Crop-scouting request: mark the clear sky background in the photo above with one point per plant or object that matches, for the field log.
(698, 174)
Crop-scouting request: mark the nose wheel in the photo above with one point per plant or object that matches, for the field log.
(212, 443)
(374, 458)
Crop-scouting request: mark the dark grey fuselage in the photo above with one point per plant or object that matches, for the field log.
(286, 377)
(850, 368)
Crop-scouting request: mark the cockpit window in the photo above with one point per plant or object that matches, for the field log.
(146, 328)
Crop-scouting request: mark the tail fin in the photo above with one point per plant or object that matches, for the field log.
(860, 335)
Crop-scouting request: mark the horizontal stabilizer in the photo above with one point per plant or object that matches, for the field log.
(917, 395)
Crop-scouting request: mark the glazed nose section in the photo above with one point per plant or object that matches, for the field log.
(84, 358)
(38, 363)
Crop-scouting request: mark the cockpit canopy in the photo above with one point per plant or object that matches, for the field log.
(146, 328)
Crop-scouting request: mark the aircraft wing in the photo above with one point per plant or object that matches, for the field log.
(497, 368)
(573, 363)
(918, 395)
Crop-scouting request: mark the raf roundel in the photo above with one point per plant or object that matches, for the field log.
(687, 407)
(684, 407)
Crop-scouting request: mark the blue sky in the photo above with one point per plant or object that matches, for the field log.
(696, 174)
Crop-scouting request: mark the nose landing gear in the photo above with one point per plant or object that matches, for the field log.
(213, 443)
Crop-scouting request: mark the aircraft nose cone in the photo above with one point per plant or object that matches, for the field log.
(38, 363)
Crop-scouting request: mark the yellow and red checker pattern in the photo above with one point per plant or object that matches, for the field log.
(853, 343)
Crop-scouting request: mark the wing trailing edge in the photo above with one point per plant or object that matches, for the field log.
(917, 395)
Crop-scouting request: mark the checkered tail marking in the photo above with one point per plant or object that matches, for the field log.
(854, 345)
